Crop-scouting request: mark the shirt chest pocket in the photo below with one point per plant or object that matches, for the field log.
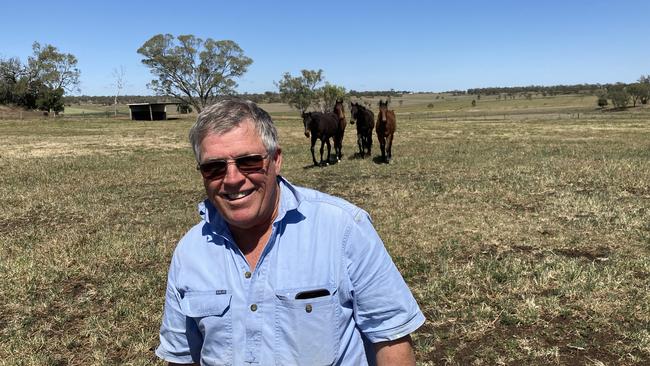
(306, 326)
(209, 313)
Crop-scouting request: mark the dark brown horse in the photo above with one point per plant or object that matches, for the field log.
(338, 139)
(365, 120)
(321, 126)
(385, 130)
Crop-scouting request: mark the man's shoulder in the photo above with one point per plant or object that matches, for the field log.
(311, 199)
(196, 234)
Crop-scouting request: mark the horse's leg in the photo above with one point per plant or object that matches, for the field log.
(369, 140)
(341, 145)
(382, 146)
(360, 143)
(337, 147)
(390, 147)
(313, 142)
(329, 150)
(322, 146)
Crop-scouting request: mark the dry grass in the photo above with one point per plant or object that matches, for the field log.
(526, 241)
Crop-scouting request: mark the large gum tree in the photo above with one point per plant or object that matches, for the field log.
(193, 70)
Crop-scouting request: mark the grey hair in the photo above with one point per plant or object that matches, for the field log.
(227, 114)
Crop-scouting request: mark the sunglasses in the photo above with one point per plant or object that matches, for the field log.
(247, 164)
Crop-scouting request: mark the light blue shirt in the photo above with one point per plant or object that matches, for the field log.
(219, 312)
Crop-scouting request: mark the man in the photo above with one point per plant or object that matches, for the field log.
(276, 274)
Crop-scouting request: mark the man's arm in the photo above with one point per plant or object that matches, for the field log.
(395, 353)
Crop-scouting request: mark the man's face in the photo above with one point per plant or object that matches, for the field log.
(245, 201)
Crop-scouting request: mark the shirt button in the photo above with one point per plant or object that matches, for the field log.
(254, 307)
(247, 274)
(308, 308)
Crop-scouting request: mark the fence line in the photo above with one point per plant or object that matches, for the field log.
(525, 116)
(39, 115)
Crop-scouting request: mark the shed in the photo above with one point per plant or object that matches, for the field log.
(149, 111)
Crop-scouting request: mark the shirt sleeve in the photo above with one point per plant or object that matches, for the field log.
(180, 340)
(384, 308)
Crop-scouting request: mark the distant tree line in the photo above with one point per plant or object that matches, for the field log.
(41, 82)
(378, 93)
(590, 89)
(266, 97)
(276, 97)
(109, 100)
(621, 94)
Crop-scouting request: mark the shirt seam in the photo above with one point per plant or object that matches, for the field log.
(169, 357)
(396, 332)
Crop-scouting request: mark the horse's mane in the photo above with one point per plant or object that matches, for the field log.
(362, 107)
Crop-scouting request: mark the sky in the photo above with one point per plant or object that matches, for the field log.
(419, 46)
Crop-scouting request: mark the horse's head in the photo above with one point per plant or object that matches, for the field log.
(354, 110)
(383, 108)
(306, 121)
(339, 110)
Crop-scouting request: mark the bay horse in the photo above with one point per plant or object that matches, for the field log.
(385, 130)
(321, 126)
(339, 111)
(365, 120)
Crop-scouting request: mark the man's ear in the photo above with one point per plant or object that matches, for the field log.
(277, 159)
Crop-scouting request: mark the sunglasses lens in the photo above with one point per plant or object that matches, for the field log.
(213, 169)
(250, 164)
(246, 164)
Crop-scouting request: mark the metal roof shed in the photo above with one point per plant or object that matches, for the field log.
(149, 111)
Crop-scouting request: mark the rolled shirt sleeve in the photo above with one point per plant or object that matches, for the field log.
(384, 308)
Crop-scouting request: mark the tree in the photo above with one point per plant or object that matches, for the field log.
(55, 70)
(50, 100)
(193, 71)
(11, 71)
(602, 101)
(330, 94)
(300, 92)
(120, 81)
(639, 91)
(42, 82)
(619, 96)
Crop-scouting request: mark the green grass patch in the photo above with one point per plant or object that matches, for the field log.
(525, 240)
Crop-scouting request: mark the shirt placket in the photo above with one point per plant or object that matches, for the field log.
(257, 308)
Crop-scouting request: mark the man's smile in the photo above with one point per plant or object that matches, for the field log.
(237, 195)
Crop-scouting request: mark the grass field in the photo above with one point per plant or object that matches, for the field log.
(525, 237)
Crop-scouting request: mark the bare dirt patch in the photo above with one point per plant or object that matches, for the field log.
(85, 145)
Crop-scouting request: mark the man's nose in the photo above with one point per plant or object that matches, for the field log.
(232, 173)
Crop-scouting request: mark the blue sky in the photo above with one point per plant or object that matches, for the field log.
(361, 45)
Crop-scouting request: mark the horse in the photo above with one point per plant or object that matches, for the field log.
(339, 111)
(321, 126)
(385, 130)
(365, 120)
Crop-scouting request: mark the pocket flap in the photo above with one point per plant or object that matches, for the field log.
(205, 304)
(313, 293)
